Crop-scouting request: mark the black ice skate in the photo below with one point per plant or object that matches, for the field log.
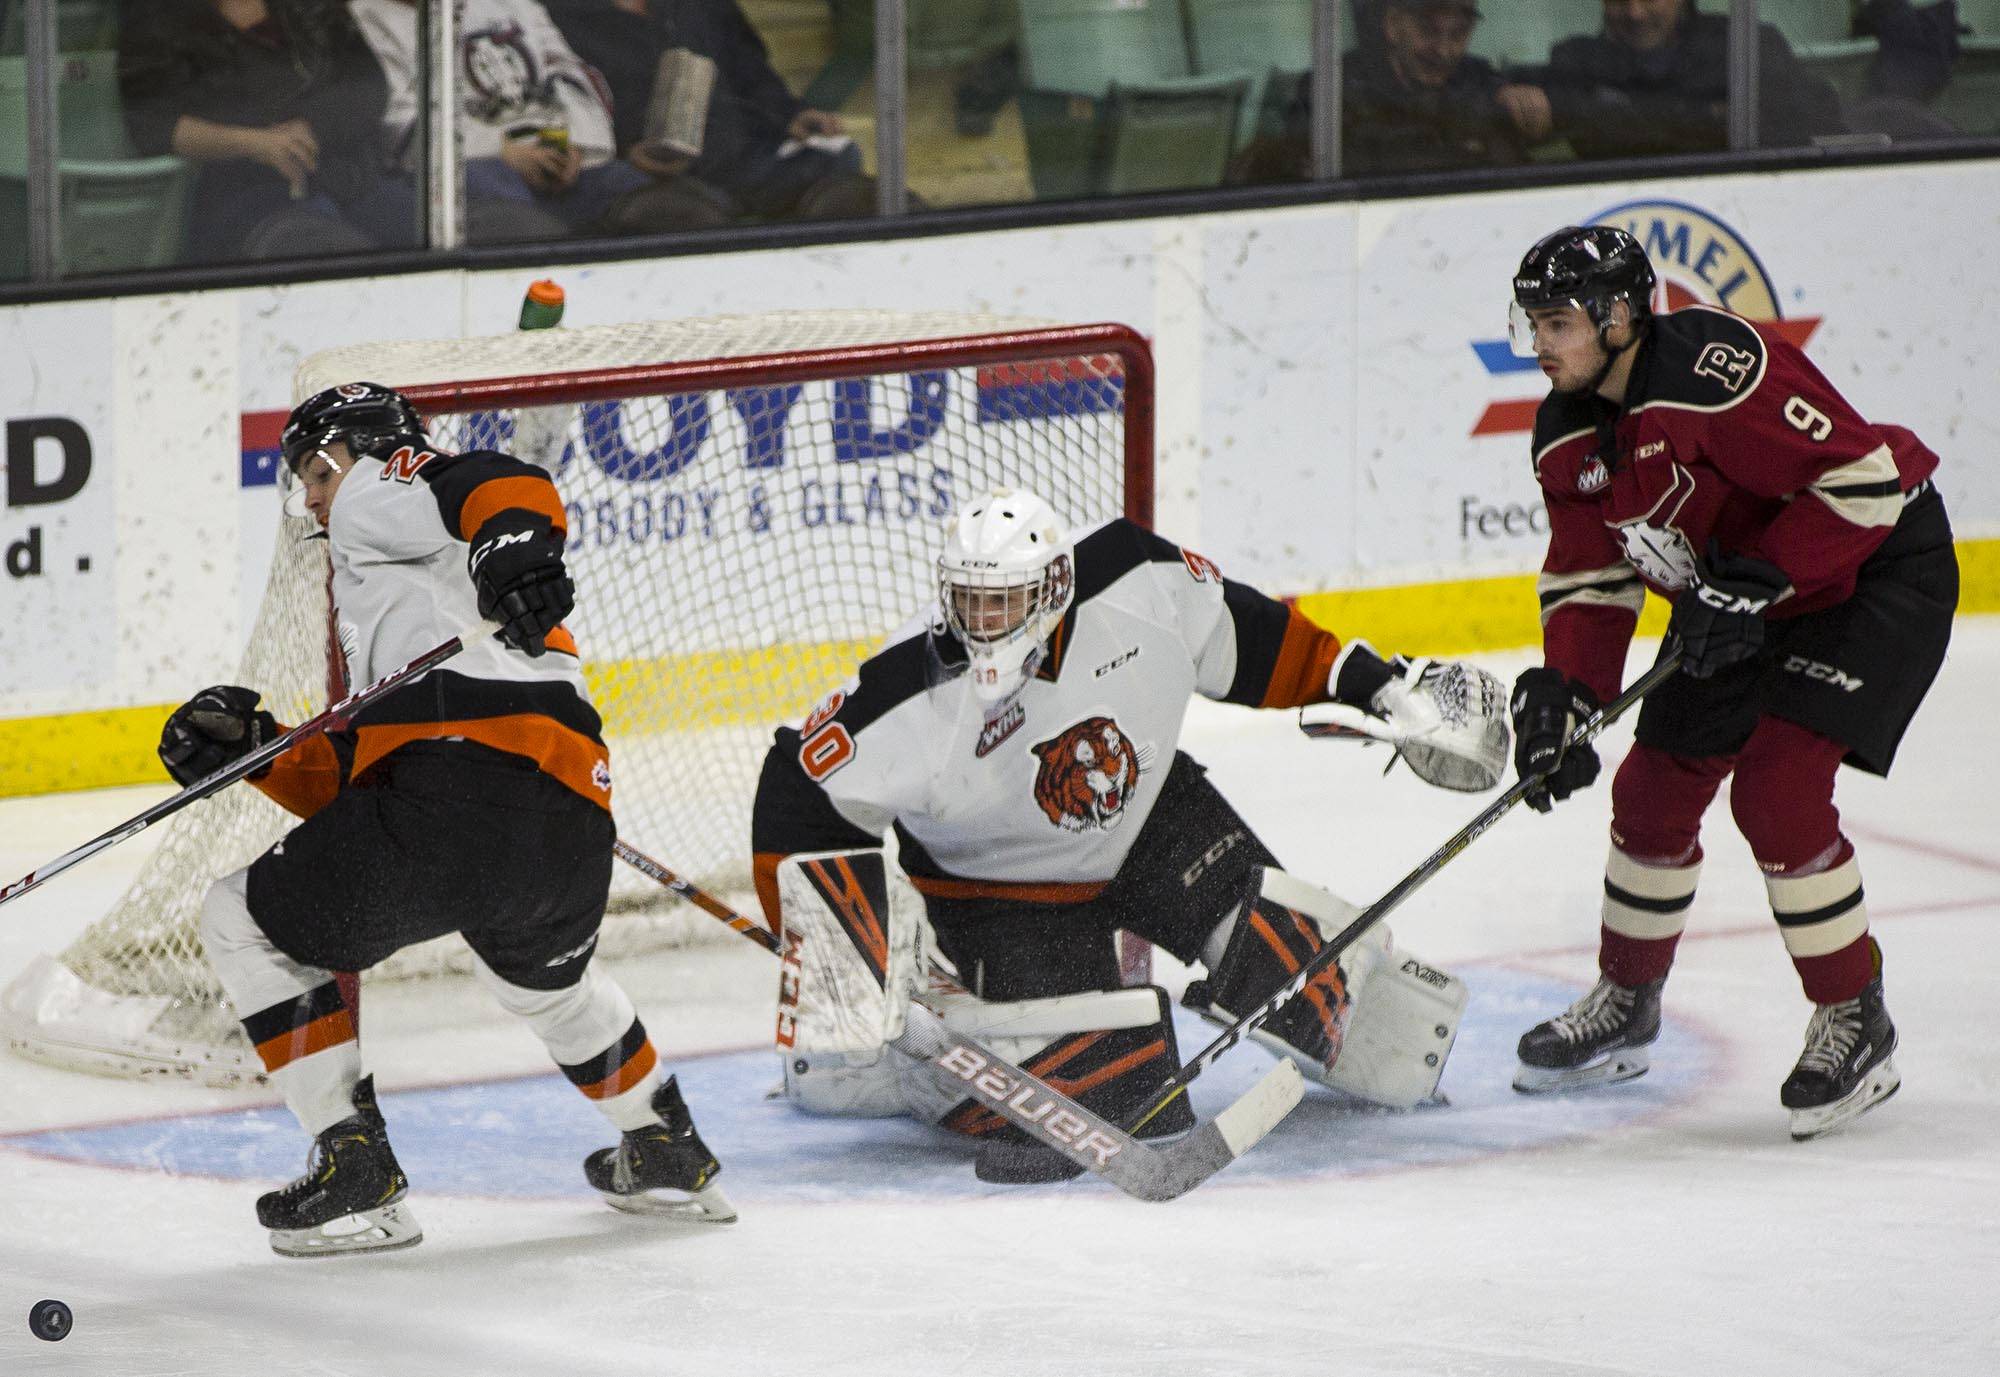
(1848, 1066)
(662, 1169)
(1601, 1038)
(349, 1200)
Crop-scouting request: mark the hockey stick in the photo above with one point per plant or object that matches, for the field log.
(1586, 730)
(700, 898)
(1037, 1108)
(249, 764)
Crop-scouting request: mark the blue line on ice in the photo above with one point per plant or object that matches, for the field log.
(526, 1137)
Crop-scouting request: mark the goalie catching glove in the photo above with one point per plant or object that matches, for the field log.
(521, 582)
(215, 727)
(1446, 718)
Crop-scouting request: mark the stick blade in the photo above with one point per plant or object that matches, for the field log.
(1176, 1170)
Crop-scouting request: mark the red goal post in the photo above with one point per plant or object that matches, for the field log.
(755, 502)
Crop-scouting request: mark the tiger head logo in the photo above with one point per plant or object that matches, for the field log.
(1087, 775)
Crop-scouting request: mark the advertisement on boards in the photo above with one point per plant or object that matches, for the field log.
(58, 607)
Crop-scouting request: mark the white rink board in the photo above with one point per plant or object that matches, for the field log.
(1320, 381)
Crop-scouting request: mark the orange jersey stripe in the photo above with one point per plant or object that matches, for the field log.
(1305, 660)
(497, 495)
(625, 1077)
(1049, 892)
(328, 1031)
(305, 778)
(568, 756)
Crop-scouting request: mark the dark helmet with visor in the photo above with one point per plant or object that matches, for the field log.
(372, 419)
(1587, 266)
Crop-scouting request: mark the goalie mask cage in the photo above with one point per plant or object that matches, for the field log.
(754, 503)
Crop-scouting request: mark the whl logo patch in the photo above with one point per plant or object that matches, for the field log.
(998, 729)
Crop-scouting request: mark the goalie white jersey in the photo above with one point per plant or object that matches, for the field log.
(1040, 795)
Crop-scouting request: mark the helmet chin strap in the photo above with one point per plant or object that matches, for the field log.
(1610, 359)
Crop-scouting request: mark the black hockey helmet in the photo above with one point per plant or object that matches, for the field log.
(371, 418)
(1587, 266)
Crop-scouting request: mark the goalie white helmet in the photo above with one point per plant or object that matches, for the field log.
(1006, 578)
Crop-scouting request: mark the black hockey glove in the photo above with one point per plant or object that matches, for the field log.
(1719, 618)
(1547, 707)
(213, 728)
(522, 585)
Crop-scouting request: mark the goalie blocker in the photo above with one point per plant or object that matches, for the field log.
(851, 965)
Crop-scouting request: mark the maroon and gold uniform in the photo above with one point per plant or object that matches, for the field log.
(1730, 443)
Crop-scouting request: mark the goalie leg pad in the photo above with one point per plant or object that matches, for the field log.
(1401, 1032)
(1378, 1024)
(852, 946)
(850, 954)
(1274, 932)
(1107, 1050)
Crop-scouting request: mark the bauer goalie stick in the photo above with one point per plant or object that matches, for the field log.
(1586, 731)
(1037, 1108)
(246, 765)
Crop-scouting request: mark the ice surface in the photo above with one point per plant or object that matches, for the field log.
(1667, 1226)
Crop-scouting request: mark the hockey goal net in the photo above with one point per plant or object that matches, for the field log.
(753, 503)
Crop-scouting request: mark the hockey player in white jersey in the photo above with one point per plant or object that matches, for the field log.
(1021, 740)
(475, 799)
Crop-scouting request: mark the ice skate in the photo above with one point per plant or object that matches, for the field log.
(1600, 1039)
(663, 1169)
(349, 1200)
(1848, 1066)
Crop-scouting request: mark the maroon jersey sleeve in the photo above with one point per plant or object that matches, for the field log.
(1589, 592)
(1795, 438)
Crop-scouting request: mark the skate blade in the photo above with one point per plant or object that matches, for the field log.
(706, 1206)
(1882, 1081)
(1624, 1064)
(369, 1231)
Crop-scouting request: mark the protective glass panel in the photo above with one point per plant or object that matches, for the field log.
(1017, 100)
(719, 114)
(227, 136)
(1449, 85)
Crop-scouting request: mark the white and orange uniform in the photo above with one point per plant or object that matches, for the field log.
(398, 535)
(1038, 797)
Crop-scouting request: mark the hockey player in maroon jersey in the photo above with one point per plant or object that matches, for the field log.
(475, 800)
(1810, 566)
(1020, 737)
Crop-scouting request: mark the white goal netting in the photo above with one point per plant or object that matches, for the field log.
(754, 502)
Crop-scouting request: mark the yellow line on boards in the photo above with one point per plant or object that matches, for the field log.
(96, 749)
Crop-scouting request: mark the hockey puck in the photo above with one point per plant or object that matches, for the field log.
(49, 1320)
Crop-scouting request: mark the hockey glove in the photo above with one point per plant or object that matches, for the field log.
(1443, 717)
(213, 728)
(1719, 618)
(1547, 707)
(522, 584)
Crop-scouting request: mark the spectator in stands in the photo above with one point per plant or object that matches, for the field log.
(280, 103)
(1414, 101)
(697, 104)
(534, 121)
(1656, 80)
